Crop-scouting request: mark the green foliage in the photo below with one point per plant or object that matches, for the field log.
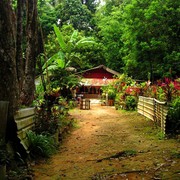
(3, 156)
(110, 90)
(141, 37)
(46, 121)
(63, 79)
(51, 110)
(134, 37)
(110, 33)
(60, 38)
(124, 91)
(67, 55)
(39, 92)
(40, 145)
(173, 118)
(75, 13)
(72, 104)
(47, 15)
(160, 135)
(56, 67)
(111, 94)
(131, 152)
(160, 94)
(175, 154)
(130, 102)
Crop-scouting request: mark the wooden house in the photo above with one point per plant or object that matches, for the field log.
(93, 79)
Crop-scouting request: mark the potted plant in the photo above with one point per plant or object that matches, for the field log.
(103, 99)
(111, 97)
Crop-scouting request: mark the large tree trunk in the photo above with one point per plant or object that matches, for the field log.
(27, 95)
(8, 75)
(19, 51)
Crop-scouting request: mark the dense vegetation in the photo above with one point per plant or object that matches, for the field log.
(52, 39)
(133, 37)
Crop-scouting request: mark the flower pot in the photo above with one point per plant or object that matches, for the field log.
(111, 102)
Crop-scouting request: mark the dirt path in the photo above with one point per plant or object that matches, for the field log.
(104, 132)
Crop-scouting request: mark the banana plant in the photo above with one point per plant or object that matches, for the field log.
(64, 57)
(66, 54)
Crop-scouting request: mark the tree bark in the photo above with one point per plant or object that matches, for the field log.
(28, 90)
(8, 76)
(19, 51)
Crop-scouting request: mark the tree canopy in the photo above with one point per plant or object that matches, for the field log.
(134, 37)
(143, 34)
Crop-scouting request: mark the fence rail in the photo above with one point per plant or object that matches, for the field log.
(154, 110)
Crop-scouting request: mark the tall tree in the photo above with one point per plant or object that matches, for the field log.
(75, 13)
(47, 15)
(19, 43)
(27, 95)
(9, 90)
(91, 4)
(110, 32)
(141, 36)
(150, 35)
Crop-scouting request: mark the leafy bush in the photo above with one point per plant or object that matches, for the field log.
(173, 118)
(40, 145)
(111, 94)
(72, 104)
(49, 112)
(130, 102)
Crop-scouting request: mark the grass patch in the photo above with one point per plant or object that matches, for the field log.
(121, 154)
(175, 154)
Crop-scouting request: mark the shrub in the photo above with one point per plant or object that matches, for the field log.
(111, 94)
(130, 102)
(40, 145)
(49, 112)
(173, 118)
(3, 157)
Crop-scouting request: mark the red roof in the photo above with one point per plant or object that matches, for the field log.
(99, 72)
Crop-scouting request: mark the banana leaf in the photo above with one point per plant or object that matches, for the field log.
(59, 37)
(58, 57)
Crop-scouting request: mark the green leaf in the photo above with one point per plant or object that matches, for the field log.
(85, 41)
(60, 63)
(60, 38)
(58, 57)
(70, 46)
(74, 36)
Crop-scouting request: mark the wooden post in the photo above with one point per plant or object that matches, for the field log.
(3, 118)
